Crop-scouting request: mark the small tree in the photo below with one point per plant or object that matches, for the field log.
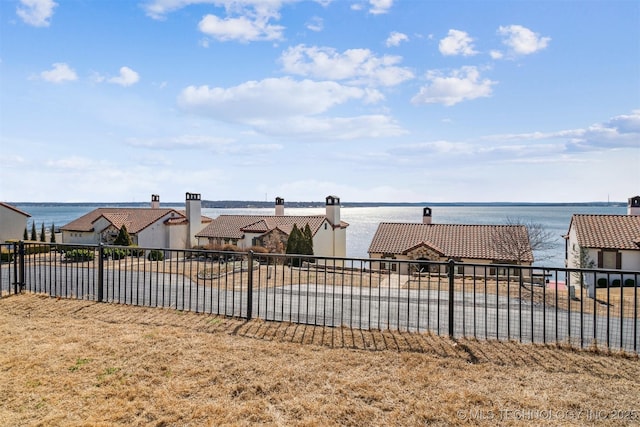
(34, 236)
(583, 260)
(307, 247)
(295, 244)
(511, 243)
(43, 237)
(53, 233)
(25, 236)
(294, 241)
(123, 238)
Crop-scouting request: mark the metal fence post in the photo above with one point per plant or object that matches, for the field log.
(14, 257)
(250, 286)
(21, 268)
(100, 293)
(452, 266)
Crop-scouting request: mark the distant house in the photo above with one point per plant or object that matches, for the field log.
(272, 231)
(13, 222)
(606, 242)
(441, 242)
(152, 227)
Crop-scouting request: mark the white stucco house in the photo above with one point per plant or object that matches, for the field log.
(13, 222)
(610, 242)
(441, 242)
(272, 231)
(152, 227)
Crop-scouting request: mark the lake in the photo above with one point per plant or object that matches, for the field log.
(363, 221)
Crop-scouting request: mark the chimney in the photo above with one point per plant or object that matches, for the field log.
(426, 216)
(633, 207)
(333, 209)
(193, 206)
(279, 206)
(155, 201)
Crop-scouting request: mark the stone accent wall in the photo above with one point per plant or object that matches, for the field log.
(275, 241)
(424, 252)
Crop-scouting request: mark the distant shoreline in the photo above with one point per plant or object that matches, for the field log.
(245, 204)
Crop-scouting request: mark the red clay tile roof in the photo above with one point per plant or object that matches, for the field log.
(452, 240)
(13, 208)
(136, 219)
(235, 226)
(607, 231)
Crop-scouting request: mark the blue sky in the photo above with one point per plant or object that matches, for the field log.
(379, 100)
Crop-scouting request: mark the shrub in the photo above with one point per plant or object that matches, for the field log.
(80, 255)
(615, 283)
(6, 255)
(629, 283)
(155, 255)
(30, 249)
(115, 253)
(602, 283)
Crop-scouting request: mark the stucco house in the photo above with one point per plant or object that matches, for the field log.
(609, 242)
(441, 242)
(13, 222)
(152, 227)
(272, 231)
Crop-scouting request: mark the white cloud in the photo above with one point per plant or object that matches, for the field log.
(379, 7)
(241, 29)
(395, 38)
(127, 77)
(621, 131)
(60, 73)
(255, 102)
(333, 128)
(158, 9)
(315, 24)
(461, 85)
(457, 43)
(357, 66)
(521, 40)
(181, 142)
(245, 20)
(496, 54)
(36, 12)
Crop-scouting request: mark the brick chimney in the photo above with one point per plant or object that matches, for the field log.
(279, 206)
(426, 215)
(193, 206)
(155, 201)
(333, 209)
(633, 207)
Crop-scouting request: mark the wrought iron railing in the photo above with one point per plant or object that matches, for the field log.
(579, 307)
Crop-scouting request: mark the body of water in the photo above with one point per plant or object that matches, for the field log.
(363, 221)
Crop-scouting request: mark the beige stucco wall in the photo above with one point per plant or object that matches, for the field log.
(12, 224)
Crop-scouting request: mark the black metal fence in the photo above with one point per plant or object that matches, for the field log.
(504, 302)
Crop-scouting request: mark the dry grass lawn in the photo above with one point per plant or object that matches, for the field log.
(80, 363)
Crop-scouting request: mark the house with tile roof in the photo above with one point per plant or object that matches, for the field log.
(441, 242)
(153, 227)
(13, 222)
(272, 231)
(609, 242)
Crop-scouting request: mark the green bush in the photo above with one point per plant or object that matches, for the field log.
(629, 283)
(80, 255)
(602, 283)
(155, 255)
(115, 253)
(615, 283)
(6, 256)
(30, 249)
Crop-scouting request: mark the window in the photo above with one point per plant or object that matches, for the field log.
(611, 260)
(383, 265)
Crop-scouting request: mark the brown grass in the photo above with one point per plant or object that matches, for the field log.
(73, 363)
